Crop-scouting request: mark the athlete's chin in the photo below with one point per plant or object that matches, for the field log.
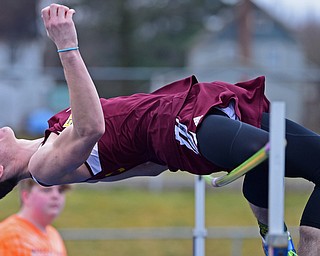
(5, 130)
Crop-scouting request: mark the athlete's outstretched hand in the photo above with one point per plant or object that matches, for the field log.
(60, 26)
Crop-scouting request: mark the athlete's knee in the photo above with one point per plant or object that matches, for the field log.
(255, 186)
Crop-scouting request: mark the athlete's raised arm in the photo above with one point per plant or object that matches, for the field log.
(64, 153)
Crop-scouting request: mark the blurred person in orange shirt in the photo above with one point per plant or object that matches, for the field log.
(29, 232)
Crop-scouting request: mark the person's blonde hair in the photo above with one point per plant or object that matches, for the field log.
(27, 184)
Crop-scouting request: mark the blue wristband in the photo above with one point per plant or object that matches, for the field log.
(68, 49)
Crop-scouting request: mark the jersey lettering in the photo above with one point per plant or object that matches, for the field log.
(185, 137)
(68, 122)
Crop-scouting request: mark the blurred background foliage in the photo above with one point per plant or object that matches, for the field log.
(130, 33)
(123, 33)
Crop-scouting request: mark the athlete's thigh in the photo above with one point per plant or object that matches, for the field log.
(227, 142)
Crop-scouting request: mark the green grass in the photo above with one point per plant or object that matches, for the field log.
(120, 208)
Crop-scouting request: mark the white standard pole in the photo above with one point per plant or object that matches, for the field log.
(199, 232)
(277, 239)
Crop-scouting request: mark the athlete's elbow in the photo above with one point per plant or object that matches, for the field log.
(93, 131)
(100, 130)
(96, 133)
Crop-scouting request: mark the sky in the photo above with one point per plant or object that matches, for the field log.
(294, 11)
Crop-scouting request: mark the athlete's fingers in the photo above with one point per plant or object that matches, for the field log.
(70, 13)
(53, 11)
(45, 13)
(62, 11)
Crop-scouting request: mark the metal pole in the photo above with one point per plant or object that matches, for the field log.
(199, 232)
(277, 238)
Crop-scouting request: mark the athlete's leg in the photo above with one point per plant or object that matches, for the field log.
(226, 142)
(309, 226)
(301, 161)
(309, 241)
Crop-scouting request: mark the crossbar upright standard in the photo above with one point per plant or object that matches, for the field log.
(199, 232)
(277, 238)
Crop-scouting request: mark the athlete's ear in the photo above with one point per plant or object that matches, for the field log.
(1, 170)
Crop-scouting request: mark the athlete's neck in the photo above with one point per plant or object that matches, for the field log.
(26, 150)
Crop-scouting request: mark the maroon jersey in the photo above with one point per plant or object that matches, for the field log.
(161, 127)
